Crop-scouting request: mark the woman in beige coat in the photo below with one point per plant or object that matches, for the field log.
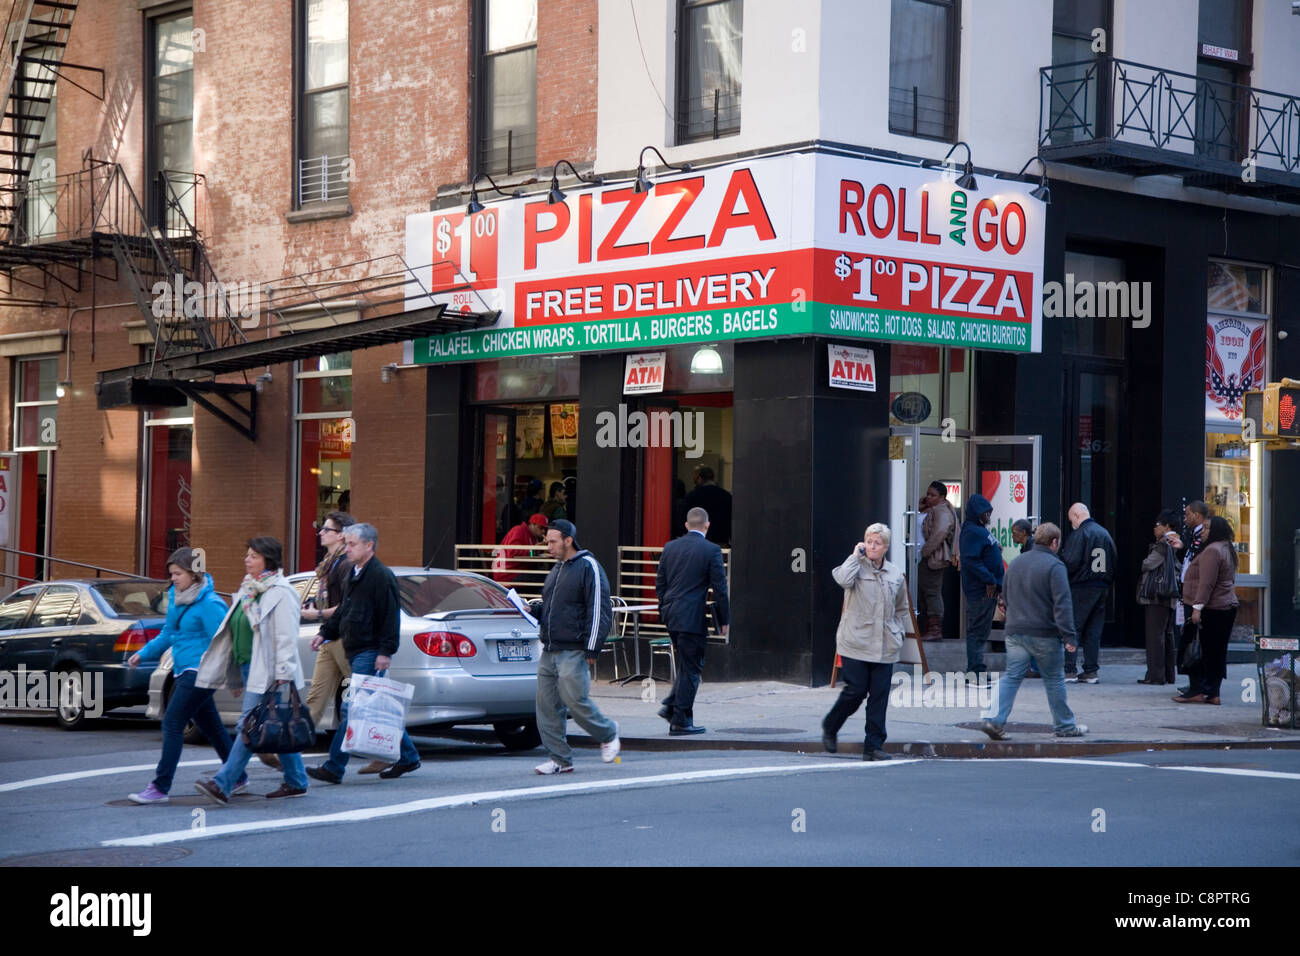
(870, 636)
(256, 649)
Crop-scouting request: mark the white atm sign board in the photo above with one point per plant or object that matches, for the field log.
(789, 245)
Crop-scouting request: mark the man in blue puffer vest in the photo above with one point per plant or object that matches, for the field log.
(981, 578)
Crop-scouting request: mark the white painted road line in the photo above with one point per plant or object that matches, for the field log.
(486, 796)
(1238, 772)
(104, 772)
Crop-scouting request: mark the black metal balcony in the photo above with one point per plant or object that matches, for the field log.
(1143, 120)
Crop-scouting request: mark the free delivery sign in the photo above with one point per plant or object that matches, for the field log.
(788, 245)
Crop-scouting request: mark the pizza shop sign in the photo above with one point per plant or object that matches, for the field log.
(804, 244)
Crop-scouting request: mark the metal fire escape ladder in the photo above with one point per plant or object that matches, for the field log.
(170, 277)
(36, 33)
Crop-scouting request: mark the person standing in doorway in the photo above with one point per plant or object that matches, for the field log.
(981, 578)
(716, 500)
(938, 531)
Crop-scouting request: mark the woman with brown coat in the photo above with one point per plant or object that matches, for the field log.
(1210, 588)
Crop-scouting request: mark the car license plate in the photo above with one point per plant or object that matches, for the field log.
(514, 651)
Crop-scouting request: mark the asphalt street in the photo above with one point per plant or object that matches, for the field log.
(474, 804)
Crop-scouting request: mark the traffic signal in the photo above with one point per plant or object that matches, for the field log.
(1271, 413)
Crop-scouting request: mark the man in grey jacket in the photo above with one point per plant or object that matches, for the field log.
(1039, 628)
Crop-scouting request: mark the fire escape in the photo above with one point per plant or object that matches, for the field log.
(63, 230)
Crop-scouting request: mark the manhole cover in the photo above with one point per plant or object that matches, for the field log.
(102, 856)
(760, 730)
(1014, 728)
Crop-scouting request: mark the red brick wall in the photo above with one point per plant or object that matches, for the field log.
(409, 66)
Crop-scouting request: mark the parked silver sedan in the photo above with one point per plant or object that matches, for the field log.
(471, 656)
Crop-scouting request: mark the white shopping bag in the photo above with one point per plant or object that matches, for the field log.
(376, 716)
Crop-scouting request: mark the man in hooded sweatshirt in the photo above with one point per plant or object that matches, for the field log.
(981, 578)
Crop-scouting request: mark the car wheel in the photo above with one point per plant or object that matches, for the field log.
(71, 710)
(518, 736)
(192, 733)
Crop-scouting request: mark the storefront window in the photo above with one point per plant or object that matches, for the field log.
(1090, 326)
(530, 377)
(919, 391)
(170, 444)
(325, 434)
(1237, 337)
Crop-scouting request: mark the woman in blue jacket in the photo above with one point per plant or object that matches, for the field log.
(194, 612)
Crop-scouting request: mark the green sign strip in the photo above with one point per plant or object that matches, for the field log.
(646, 333)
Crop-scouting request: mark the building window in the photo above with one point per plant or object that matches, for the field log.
(324, 168)
(169, 448)
(1223, 65)
(325, 433)
(1074, 100)
(36, 405)
(709, 68)
(507, 86)
(39, 80)
(171, 112)
(1237, 336)
(923, 43)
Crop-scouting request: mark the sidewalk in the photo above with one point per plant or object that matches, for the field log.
(1121, 715)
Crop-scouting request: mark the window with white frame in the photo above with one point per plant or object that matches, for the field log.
(36, 404)
(324, 168)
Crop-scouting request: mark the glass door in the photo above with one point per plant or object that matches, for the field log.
(1005, 469)
(919, 456)
(496, 454)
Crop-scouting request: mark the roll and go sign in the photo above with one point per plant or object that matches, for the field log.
(790, 245)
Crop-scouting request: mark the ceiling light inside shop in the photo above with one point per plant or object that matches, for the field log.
(706, 361)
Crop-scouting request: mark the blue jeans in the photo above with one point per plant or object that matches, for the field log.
(188, 703)
(979, 622)
(563, 681)
(294, 773)
(1089, 619)
(363, 665)
(1049, 654)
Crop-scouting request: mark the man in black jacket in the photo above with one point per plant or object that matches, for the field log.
(689, 566)
(574, 620)
(369, 623)
(714, 499)
(1089, 556)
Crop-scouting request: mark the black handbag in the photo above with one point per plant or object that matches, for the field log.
(1161, 584)
(276, 726)
(1191, 656)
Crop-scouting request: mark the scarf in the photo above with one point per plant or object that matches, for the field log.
(189, 595)
(322, 575)
(251, 591)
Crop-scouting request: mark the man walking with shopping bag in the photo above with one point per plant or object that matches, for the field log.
(369, 624)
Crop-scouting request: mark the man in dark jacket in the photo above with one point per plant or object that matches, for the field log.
(1089, 556)
(981, 578)
(1039, 622)
(368, 622)
(716, 500)
(689, 566)
(574, 619)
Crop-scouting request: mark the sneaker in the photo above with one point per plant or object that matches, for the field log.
(609, 750)
(240, 787)
(149, 794)
(209, 789)
(550, 767)
(875, 755)
(1089, 677)
(1078, 730)
(1072, 678)
(993, 730)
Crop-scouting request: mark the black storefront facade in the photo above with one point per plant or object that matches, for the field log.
(810, 464)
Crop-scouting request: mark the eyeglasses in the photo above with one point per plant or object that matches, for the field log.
(328, 528)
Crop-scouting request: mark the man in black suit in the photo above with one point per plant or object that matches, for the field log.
(716, 500)
(689, 566)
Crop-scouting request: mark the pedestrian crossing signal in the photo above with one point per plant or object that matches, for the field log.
(1270, 414)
